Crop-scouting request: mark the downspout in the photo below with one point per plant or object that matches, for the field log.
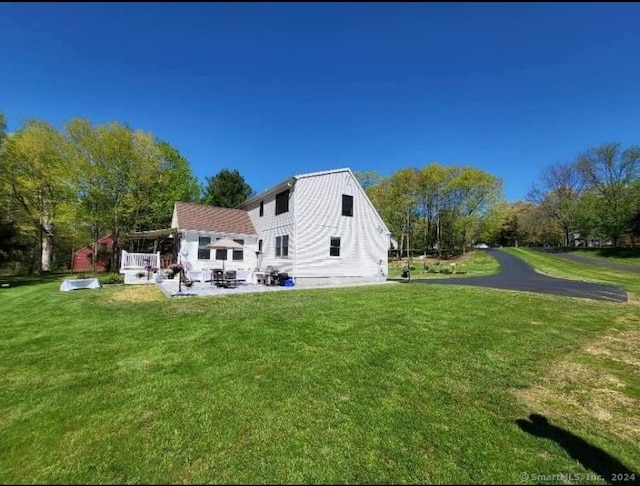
(295, 229)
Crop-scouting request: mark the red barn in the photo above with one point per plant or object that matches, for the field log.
(82, 257)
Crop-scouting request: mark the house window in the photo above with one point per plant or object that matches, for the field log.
(334, 247)
(238, 255)
(347, 205)
(204, 253)
(221, 254)
(282, 246)
(260, 246)
(261, 208)
(282, 202)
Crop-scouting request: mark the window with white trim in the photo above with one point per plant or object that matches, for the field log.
(334, 246)
(282, 246)
(238, 255)
(204, 253)
(221, 254)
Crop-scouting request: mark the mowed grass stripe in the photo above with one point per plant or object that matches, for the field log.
(372, 384)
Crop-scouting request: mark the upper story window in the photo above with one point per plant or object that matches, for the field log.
(261, 208)
(203, 253)
(282, 202)
(347, 205)
(260, 246)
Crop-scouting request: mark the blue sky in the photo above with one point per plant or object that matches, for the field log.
(279, 89)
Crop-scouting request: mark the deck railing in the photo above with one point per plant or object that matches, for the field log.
(132, 261)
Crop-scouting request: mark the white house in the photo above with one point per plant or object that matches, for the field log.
(319, 228)
(201, 224)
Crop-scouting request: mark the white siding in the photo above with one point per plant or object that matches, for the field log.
(269, 226)
(364, 239)
(190, 244)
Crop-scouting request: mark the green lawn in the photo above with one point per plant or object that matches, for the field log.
(626, 256)
(380, 384)
(561, 267)
(473, 264)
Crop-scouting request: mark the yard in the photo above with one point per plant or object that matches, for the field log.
(472, 264)
(388, 384)
(627, 256)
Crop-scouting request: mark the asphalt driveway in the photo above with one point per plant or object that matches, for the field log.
(515, 274)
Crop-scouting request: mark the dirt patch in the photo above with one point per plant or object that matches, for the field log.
(136, 293)
(590, 392)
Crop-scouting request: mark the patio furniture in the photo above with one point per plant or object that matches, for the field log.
(226, 279)
(258, 277)
(217, 277)
(243, 275)
(230, 279)
(191, 273)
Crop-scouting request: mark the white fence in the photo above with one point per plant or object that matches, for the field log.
(133, 261)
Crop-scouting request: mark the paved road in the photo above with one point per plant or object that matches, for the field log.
(592, 261)
(515, 274)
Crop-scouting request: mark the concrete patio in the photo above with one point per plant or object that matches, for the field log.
(205, 289)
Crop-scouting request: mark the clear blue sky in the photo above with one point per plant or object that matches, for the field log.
(279, 89)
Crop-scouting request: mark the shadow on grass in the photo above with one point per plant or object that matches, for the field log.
(591, 457)
(602, 252)
(23, 280)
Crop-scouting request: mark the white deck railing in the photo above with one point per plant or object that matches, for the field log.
(134, 261)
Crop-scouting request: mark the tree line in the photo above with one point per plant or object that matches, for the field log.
(437, 208)
(61, 189)
(595, 197)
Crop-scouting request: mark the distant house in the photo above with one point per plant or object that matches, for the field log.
(318, 227)
(81, 261)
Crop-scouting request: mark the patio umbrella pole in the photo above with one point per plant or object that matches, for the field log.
(179, 292)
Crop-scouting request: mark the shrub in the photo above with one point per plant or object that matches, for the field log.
(111, 278)
(445, 270)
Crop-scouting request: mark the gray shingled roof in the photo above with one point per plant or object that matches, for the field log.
(201, 217)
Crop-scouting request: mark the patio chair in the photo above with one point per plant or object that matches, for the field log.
(230, 279)
(191, 273)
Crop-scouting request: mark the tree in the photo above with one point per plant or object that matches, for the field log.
(36, 173)
(226, 189)
(431, 181)
(474, 192)
(175, 182)
(611, 172)
(117, 179)
(558, 193)
(367, 178)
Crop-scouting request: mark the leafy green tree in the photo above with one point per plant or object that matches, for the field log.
(367, 178)
(226, 189)
(611, 172)
(116, 180)
(36, 172)
(432, 181)
(475, 191)
(557, 193)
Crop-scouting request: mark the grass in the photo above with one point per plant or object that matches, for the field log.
(474, 263)
(560, 267)
(388, 384)
(626, 256)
